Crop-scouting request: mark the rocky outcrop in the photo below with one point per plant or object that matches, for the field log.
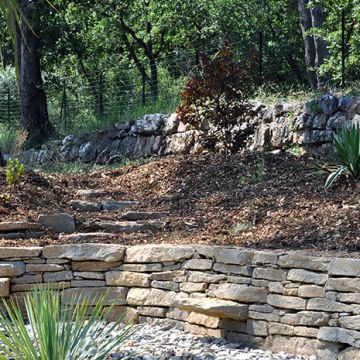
(309, 126)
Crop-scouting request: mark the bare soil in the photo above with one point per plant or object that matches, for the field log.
(210, 199)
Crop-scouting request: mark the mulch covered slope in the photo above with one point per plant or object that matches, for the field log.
(208, 201)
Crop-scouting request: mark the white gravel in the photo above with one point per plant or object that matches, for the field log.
(155, 343)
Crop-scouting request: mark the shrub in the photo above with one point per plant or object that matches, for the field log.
(215, 101)
(14, 172)
(347, 145)
(56, 331)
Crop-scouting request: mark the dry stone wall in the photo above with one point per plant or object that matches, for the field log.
(281, 301)
(308, 125)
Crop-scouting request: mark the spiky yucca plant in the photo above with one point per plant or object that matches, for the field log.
(59, 332)
(347, 146)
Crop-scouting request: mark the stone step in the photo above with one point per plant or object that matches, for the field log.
(95, 194)
(106, 205)
(128, 226)
(15, 226)
(143, 215)
(223, 309)
(22, 235)
(79, 237)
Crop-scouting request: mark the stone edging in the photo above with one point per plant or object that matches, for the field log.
(287, 301)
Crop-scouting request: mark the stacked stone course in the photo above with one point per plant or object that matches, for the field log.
(292, 302)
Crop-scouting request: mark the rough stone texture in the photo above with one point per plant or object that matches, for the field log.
(157, 253)
(214, 307)
(126, 278)
(248, 294)
(339, 335)
(327, 305)
(349, 354)
(82, 237)
(94, 265)
(347, 267)
(301, 261)
(197, 264)
(11, 269)
(151, 297)
(286, 302)
(18, 226)
(233, 269)
(23, 252)
(4, 287)
(113, 296)
(306, 318)
(310, 291)
(350, 322)
(83, 252)
(343, 284)
(61, 223)
(305, 276)
(270, 274)
(234, 256)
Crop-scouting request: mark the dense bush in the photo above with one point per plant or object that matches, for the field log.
(215, 101)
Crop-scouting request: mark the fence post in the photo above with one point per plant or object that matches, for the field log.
(8, 104)
(101, 94)
(343, 50)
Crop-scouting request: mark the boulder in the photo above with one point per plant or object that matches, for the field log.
(148, 125)
(61, 223)
(328, 104)
(87, 152)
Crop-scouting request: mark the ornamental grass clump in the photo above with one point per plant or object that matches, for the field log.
(54, 331)
(347, 146)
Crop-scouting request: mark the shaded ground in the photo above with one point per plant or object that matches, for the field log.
(211, 199)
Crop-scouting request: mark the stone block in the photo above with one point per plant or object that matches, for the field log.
(350, 322)
(58, 276)
(43, 267)
(304, 331)
(264, 316)
(311, 291)
(190, 287)
(306, 318)
(353, 298)
(94, 265)
(152, 297)
(152, 311)
(344, 267)
(349, 353)
(233, 269)
(27, 279)
(320, 304)
(280, 329)
(204, 320)
(265, 257)
(19, 252)
(195, 276)
(142, 267)
(61, 223)
(223, 309)
(305, 276)
(125, 278)
(242, 293)
(177, 314)
(270, 274)
(85, 252)
(303, 262)
(126, 314)
(4, 287)
(340, 335)
(158, 253)
(11, 268)
(286, 302)
(256, 327)
(343, 284)
(165, 285)
(89, 275)
(234, 256)
(197, 264)
(202, 331)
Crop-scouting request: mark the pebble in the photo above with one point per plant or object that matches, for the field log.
(156, 343)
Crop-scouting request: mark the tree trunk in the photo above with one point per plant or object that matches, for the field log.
(2, 160)
(34, 114)
(309, 44)
(154, 86)
(322, 52)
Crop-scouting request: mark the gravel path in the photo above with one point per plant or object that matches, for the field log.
(154, 343)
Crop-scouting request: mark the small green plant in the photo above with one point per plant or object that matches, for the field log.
(14, 172)
(347, 146)
(242, 227)
(59, 329)
(255, 177)
(315, 107)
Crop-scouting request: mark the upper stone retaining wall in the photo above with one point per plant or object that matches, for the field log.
(282, 301)
(310, 126)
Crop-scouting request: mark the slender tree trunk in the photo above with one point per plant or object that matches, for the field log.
(154, 79)
(309, 44)
(34, 114)
(322, 52)
(2, 160)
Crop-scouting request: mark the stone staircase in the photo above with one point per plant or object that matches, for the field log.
(100, 227)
